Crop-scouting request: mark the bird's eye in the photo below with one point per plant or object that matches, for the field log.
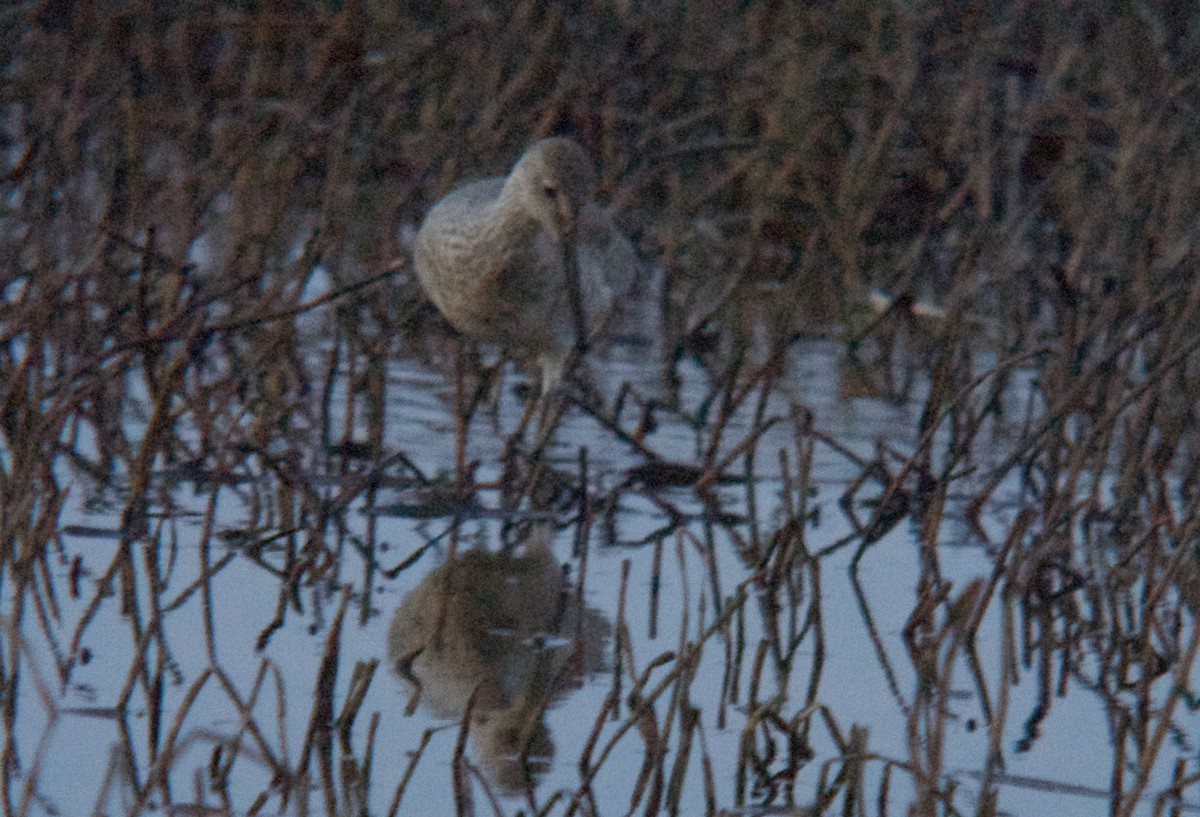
(549, 191)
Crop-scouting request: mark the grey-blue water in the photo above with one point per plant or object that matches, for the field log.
(75, 751)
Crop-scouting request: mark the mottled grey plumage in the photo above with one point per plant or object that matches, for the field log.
(490, 255)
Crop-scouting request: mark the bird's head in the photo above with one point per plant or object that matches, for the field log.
(556, 180)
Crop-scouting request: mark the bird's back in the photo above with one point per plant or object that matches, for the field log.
(447, 245)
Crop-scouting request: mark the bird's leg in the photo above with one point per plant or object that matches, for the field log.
(491, 387)
(554, 364)
(518, 433)
(549, 408)
(552, 405)
(510, 490)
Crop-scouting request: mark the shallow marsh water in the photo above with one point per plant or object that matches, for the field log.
(658, 589)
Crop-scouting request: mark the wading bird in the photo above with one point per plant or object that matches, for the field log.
(528, 261)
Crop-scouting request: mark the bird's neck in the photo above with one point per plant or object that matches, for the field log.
(509, 226)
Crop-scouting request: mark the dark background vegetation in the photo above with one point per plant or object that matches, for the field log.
(1004, 152)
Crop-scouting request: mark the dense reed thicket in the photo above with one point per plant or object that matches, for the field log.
(183, 183)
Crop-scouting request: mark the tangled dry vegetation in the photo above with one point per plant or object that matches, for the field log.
(175, 179)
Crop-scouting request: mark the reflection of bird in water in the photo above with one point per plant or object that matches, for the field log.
(527, 261)
(508, 626)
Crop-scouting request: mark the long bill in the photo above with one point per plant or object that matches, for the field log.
(570, 262)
